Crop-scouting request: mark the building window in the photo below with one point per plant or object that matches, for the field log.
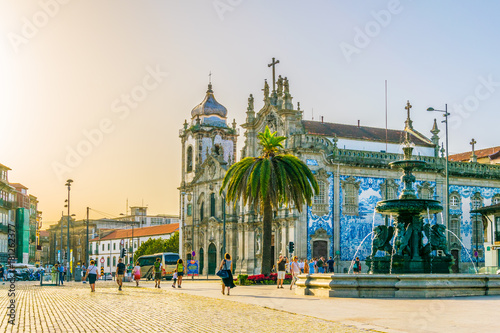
(320, 198)
(454, 201)
(425, 191)
(114, 261)
(496, 199)
(455, 229)
(114, 246)
(497, 228)
(477, 231)
(476, 201)
(212, 204)
(389, 189)
(202, 208)
(108, 261)
(189, 161)
(351, 196)
(103, 247)
(108, 247)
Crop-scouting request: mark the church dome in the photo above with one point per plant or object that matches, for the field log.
(209, 106)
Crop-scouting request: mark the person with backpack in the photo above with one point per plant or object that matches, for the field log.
(357, 266)
(180, 272)
(157, 270)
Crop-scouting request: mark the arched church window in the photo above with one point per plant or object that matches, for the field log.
(496, 199)
(217, 150)
(202, 215)
(389, 189)
(454, 201)
(212, 204)
(351, 196)
(476, 201)
(189, 162)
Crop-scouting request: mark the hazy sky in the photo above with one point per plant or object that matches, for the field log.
(113, 81)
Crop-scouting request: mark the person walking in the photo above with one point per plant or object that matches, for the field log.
(136, 271)
(157, 268)
(2, 273)
(61, 274)
(227, 265)
(92, 274)
(331, 264)
(174, 278)
(120, 272)
(180, 272)
(281, 271)
(84, 269)
(294, 270)
(306, 266)
(130, 267)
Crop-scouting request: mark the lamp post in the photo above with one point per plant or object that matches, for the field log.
(223, 222)
(87, 257)
(68, 184)
(446, 114)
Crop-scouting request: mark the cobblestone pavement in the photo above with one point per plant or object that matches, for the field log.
(73, 308)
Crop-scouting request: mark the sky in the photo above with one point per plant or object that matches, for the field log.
(97, 91)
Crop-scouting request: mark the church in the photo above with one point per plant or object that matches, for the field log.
(351, 164)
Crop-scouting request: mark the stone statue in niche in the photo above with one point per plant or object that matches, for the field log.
(258, 240)
(272, 122)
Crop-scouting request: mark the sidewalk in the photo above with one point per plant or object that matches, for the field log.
(463, 314)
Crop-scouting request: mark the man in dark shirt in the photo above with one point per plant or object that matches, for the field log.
(330, 263)
(120, 271)
(281, 271)
(2, 272)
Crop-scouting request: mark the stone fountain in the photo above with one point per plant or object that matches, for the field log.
(416, 263)
(407, 253)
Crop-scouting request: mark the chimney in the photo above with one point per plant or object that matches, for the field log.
(322, 119)
(359, 123)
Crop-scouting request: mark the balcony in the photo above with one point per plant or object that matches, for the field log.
(6, 204)
(497, 236)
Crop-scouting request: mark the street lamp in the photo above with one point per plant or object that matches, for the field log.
(223, 222)
(446, 114)
(68, 184)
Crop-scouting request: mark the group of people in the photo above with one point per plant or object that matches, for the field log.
(315, 265)
(92, 273)
(59, 269)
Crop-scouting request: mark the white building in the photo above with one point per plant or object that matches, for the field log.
(106, 248)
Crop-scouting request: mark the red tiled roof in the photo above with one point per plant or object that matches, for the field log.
(361, 133)
(142, 232)
(481, 153)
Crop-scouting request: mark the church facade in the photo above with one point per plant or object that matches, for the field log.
(351, 164)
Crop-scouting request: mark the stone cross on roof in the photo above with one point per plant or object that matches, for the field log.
(473, 157)
(408, 122)
(273, 64)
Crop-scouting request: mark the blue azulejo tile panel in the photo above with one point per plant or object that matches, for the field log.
(325, 222)
(312, 162)
(355, 229)
(463, 212)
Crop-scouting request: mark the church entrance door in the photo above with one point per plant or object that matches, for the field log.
(320, 249)
(454, 268)
(212, 259)
(202, 260)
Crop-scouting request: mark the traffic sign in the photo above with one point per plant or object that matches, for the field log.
(102, 260)
(193, 253)
(122, 242)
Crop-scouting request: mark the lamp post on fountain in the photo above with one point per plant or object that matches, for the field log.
(445, 115)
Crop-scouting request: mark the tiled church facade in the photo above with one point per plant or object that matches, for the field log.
(351, 165)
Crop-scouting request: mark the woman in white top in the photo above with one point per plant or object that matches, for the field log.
(92, 274)
(295, 270)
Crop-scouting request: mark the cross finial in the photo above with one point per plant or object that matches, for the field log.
(408, 122)
(408, 107)
(473, 156)
(273, 64)
(210, 77)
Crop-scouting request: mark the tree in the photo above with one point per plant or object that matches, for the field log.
(158, 245)
(269, 182)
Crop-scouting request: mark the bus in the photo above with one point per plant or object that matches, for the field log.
(168, 261)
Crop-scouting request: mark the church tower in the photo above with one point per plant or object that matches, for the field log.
(208, 150)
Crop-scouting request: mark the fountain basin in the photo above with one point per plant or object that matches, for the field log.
(414, 164)
(408, 206)
(397, 286)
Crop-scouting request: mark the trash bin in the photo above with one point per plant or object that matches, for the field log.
(78, 274)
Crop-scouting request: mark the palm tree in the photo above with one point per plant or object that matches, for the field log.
(269, 182)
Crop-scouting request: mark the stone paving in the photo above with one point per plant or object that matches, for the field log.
(73, 308)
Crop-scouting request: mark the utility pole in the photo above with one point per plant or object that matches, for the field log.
(87, 242)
